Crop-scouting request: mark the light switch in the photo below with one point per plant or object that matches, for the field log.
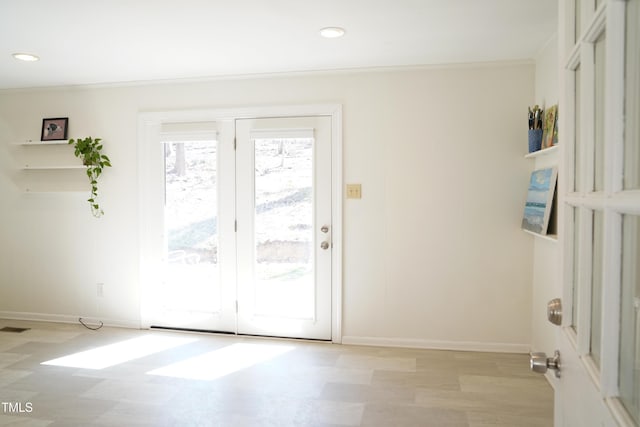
(354, 191)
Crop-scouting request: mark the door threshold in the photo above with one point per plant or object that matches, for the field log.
(211, 331)
(201, 331)
(285, 338)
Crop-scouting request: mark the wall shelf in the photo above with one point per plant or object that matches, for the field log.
(52, 167)
(549, 237)
(48, 167)
(40, 190)
(540, 153)
(40, 143)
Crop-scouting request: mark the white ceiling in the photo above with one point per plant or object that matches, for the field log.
(107, 41)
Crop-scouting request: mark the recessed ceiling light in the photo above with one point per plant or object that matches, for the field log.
(332, 32)
(25, 57)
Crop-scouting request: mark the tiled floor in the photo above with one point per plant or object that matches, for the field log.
(156, 378)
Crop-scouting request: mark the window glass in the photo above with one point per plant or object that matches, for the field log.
(578, 16)
(632, 97)
(578, 142)
(575, 288)
(598, 181)
(283, 226)
(629, 375)
(596, 286)
(191, 274)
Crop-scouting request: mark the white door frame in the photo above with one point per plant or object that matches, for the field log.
(149, 191)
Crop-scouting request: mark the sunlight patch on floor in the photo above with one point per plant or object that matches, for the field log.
(120, 352)
(225, 361)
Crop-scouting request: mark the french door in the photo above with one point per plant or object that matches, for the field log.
(599, 342)
(284, 226)
(195, 284)
(247, 229)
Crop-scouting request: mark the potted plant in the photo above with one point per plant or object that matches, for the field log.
(89, 150)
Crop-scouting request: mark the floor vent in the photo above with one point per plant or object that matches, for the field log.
(12, 329)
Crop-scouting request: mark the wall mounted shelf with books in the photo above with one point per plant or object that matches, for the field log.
(543, 152)
(540, 213)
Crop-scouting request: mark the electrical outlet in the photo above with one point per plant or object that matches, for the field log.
(100, 290)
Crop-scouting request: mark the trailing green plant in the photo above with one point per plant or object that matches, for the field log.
(89, 150)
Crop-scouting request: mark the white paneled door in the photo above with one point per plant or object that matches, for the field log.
(599, 342)
(247, 232)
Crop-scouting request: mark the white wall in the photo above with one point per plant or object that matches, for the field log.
(547, 254)
(433, 252)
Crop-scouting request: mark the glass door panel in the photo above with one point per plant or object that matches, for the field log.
(578, 143)
(599, 104)
(575, 286)
(629, 374)
(596, 286)
(191, 279)
(632, 97)
(284, 235)
(578, 20)
(629, 351)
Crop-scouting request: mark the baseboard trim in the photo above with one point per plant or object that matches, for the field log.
(346, 339)
(437, 345)
(64, 318)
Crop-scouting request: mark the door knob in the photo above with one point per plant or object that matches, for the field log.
(324, 245)
(324, 229)
(554, 311)
(539, 362)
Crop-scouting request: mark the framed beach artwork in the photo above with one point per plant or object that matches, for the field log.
(539, 203)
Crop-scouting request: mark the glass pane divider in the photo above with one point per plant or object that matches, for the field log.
(593, 370)
(573, 60)
(597, 26)
(626, 202)
(593, 200)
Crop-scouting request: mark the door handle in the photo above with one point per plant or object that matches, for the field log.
(324, 229)
(554, 311)
(539, 362)
(324, 245)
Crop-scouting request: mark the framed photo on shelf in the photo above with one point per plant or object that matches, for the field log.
(54, 129)
(537, 209)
